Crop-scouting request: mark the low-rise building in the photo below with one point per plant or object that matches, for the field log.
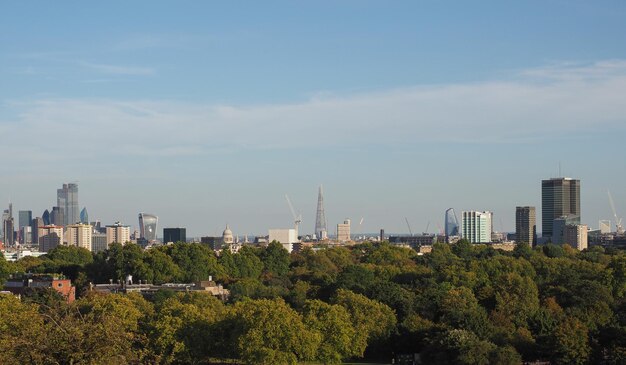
(18, 284)
(148, 290)
(287, 237)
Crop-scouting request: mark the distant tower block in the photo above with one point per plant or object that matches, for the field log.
(320, 221)
(84, 216)
(148, 226)
(451, 223)
(604, 226)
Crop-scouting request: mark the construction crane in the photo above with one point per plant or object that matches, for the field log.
(618, 221)
(408, 225)
(297, 219)
(427, 226)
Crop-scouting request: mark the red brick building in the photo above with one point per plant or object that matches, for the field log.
(18, 284)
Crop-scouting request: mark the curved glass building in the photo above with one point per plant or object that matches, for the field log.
(46, 217)
(452, 224)
(84, 216)
(148, 226)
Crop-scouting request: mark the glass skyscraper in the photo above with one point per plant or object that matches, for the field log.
(84, 216)
(25, 216)
(559, 197)
(452, 224)
(148, 226)
(67, 201)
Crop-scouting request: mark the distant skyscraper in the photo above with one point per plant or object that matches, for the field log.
(46, 217)
(177, 234)
(35, 224)
(67, 201)
(320, 221)
(24, 229)
(25, 216)
(56, 216)
(476, 227)
(26, 235)
(84, 216)
(559, 197)
(526, 225)
(452, 224)
(148, 226)
(8, 232)
(8, 227)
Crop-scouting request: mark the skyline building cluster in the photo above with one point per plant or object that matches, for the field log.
(65, 224)
(561, 223)
(560, 217)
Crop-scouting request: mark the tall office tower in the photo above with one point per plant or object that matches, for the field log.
(148, 226)
(67, 200)
(320, 221)
(25, 216)
(35, 224)
(117, 233)
(476, 227)
(559, 197)
(8, 232)
(84, 216)
(46, 217)
(180, 234)
(56, 216)
(452, 224)
(526, 225)
(79, 235)
(343, 231)
(26, 235)
(50, 237)
(5, 216)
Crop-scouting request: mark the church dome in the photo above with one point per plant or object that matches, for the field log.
(227, 236)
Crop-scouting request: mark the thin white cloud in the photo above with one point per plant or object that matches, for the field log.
(140, 42)
(119, 70)
(519, 110)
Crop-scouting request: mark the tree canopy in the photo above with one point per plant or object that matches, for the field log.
(461, 303)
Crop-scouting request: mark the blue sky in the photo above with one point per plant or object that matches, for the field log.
(206, 113)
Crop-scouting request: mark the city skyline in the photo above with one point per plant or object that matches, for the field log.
(439, 227)
(399, 110)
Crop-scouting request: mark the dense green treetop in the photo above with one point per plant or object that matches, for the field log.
(462, 303)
